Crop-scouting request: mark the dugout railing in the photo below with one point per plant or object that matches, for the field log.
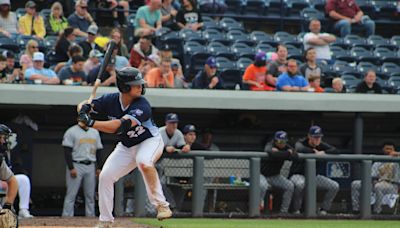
(199, 169)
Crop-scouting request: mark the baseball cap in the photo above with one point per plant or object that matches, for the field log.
(30, 4)
(5, 2)
(171, 118)
(93, 29)
(315, 131)
(95, 53)
(260, 56)
(188, 128)
(38, 56)
(211, 62)
(281, 135)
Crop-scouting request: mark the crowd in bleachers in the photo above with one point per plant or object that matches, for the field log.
(175, 46)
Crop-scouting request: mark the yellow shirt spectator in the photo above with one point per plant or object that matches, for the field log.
(25, 25)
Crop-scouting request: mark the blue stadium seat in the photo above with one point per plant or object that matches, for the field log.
(20, 12)
(225, 64)
(394, 83)
(286, 38)
(294, 53)
(231, 78)
(209, 23)
(339, 53)
(239, 36)
(349, 81)
(23, 40)
(355, 41)
(309, 13)
(215, 35)
(255, 8)
(131, 20)
(242, 50)
(219, 49)
(260, 36)
(243, 63)
(390, 69)
(300, 37)
(362, 54)
(295, 7)
(363, 67)
(385, 9)
(172, 41)
(196, 63)
(50, 42)
(234, 6)
(381, 82)
(9, 44)
(264, 47)
(190, 35)
(341, 66)
(386, 55)
(191, 47)
(379, 41)
(318, 4)
(229, 24)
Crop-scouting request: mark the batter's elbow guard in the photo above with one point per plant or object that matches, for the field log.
(125, 126)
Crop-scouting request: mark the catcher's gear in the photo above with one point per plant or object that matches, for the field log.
(85, 119)
(128, 76)
(8, 217)
(4, 145)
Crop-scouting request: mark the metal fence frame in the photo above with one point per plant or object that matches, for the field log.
(310, 203)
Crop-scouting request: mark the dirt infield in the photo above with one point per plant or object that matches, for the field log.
(75, 222)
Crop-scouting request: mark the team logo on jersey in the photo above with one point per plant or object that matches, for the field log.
(137, 112)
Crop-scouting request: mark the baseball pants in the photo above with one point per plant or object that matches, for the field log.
(280, 182)
(24, 190)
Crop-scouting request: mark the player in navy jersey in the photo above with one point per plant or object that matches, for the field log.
(140, 145)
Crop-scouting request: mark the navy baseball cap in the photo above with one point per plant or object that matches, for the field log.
(189, 128)
(315, 131)
(211, 62)
(171, 118)
(260, 56)
(281, 135)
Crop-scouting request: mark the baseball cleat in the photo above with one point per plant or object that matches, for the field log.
(163, 212)
(24, 213)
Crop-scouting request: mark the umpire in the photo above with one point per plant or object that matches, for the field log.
(81, 149)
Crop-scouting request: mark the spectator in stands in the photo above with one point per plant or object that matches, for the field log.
(148, 18)
(313, 144)
(169, 13)
(385, 180)
(337, 85)
(291, 80)
(73, 74)
(277, 67)
(25, 60)
(38, 74)
(88, 44)
(172, 136)
(12, 72)
(369, 84)
(141, 50)
(190, 135)
(93, 61)
(162, 76)
(115, 5)
(189, 16)
(347, 13)
(213, 6)
(81, 18)
(256, 74)
(310, 67)
(207, 140)
(3, 73)
(153, 61)
(65, 40)
(57, 21)
(315, 83)
(32, 24)
(73, 50)
(278, 151)
(116, 35)
(208, 77)
(179, 78)
(8, 20)
(319, 41)
(108, 78)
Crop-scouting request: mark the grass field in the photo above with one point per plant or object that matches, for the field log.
(264, 223)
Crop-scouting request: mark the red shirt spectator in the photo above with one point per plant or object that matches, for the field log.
(347, 8)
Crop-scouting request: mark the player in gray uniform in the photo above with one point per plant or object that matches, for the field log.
(5, 172)
(172, 136)
(81, 149)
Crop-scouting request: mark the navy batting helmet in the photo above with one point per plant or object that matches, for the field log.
(4, 145)
(128, 76)
(4, 130)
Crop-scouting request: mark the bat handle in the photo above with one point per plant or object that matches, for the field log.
(93, 94)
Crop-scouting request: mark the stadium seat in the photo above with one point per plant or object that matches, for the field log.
(363, 67)
(191, 47)
(349, 81)
(294, 8)
(20, 12)
(9, 44)
(23, 40)
(50, 42)
(219, 49)
(260, 36)
(234, 6)
(224, 64)
(196, 63)
(231, 78)
(339, 53)
(309, 13)
(386, 55)
(384, 9)
(294, 53)
(255, 8)
(45, 13)
(366, 7)
(394, 83)
(362, 54)
(355, 41)
(300, 37)
(242, 50)
(229, 24)
(190, 35)
(238, 36)
(264, 47)
(286, 38)
(395, 40)
(319, 4)
(214, 35)
(173, 42)
(209, 23)
(390, 69)
(341, 66)
(243, 63)
(381, 82)
(131, 20)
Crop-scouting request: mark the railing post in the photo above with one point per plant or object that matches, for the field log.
(310, 188)
(366, 187)
(198, 188)
(254, 191)
(140, 194)
(119, 197)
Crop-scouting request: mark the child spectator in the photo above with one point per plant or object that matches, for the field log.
(315, 83)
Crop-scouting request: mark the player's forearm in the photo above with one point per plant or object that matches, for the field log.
(12, 190)
(109, 126)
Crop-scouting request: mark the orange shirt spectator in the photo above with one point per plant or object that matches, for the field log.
(162, 76)
(256, 74)
(315, 81)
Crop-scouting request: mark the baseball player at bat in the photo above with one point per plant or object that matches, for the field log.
(8, 217)
(130, 117)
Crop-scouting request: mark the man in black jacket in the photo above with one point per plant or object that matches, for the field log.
(278, 151)
(313, 144)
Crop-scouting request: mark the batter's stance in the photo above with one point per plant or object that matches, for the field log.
(140, 143)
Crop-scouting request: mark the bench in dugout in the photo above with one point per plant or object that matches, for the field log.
(178, 172)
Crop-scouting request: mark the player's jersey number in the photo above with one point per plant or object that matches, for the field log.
(136, 132)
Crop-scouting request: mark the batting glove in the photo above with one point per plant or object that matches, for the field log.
(85, 119)
(86, 108)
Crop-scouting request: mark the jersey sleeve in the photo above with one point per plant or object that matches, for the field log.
(181, 140)
(99, 104)
(68, 139)
(5, 171)
(140, 113)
